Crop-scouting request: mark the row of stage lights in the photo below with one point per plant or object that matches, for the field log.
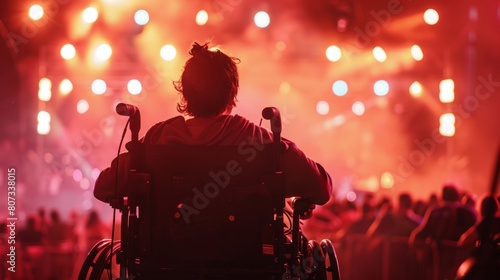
(168, 52)
(141, 17)
(104, 51)
(134, 87)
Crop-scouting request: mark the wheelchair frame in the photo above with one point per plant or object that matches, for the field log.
(295, 256)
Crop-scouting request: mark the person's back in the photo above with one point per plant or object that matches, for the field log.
(447, 220)
(208, 88)
(488, 228)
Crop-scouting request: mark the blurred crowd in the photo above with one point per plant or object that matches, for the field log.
(51, 247)
(375, 237)
(408, 238)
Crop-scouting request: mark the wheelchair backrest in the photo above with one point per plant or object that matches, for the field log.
(208, 204)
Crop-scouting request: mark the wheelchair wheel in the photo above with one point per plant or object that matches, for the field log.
(315, 265)
(97, 265)
(331, 261)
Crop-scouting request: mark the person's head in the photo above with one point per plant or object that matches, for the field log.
(93, 218)
(405, 201)
(208, 84)
(450, 193)
(489, 206)
(54, 216)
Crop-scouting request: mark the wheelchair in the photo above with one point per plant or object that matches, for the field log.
(218, 212)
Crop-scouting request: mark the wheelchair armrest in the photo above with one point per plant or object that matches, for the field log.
(302, 207)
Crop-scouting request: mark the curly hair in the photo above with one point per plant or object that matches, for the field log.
(209, 82)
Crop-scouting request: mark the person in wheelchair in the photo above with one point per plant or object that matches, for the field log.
(209, 88)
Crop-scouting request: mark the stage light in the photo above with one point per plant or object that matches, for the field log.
(416, 53)
(379, 54)
(351, 196)
(103, 52)
(280, 46)
(90, 15)
(68, 51)
(134, 87)
(416, 89)
(43, 117)
(141, 17)
(44, 94)
(447, 124)
(82, 106)
(44, 89)
(35, 12)
(358, 108)
(77, 175)
(446, 91)
(431, 16)
(340, 88)
(43, 128)
(262, 19)
(85, 184)
(285, 88)
(386, 180)
(201, 17)
(45, 83)
(65, 87)
(322, 107)
(333, 53)
(98, 86)
(95, 173)
(168, 52)
(381, 88)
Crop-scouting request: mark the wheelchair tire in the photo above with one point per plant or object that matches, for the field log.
(315, 261)
(98, 262)
(331, 261)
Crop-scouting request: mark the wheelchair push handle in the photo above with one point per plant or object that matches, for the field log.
(273, 114)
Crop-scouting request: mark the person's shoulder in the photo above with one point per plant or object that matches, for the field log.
(154, 131)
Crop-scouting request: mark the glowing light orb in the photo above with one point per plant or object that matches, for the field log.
(262, 19)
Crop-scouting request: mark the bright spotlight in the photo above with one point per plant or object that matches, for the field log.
(416, 89)
(168, 52)
(43, 128)
(333, 53)
(43, 117)
(447, 124)
(431, 16)
(358, 108)
(45, 83)
(90, 15)
(416, 53)
(103, 52)
(386, 180)
(35, 12)
(379, 54)
(134, 87)
(381, 88)
(98, 86)
(44, 94)
(68, 51)
(447, 91)
(141, 17)
(201, 17)
(322, 107)
(262, 19)
(339, 88)
(82, 106)
(65, 87)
